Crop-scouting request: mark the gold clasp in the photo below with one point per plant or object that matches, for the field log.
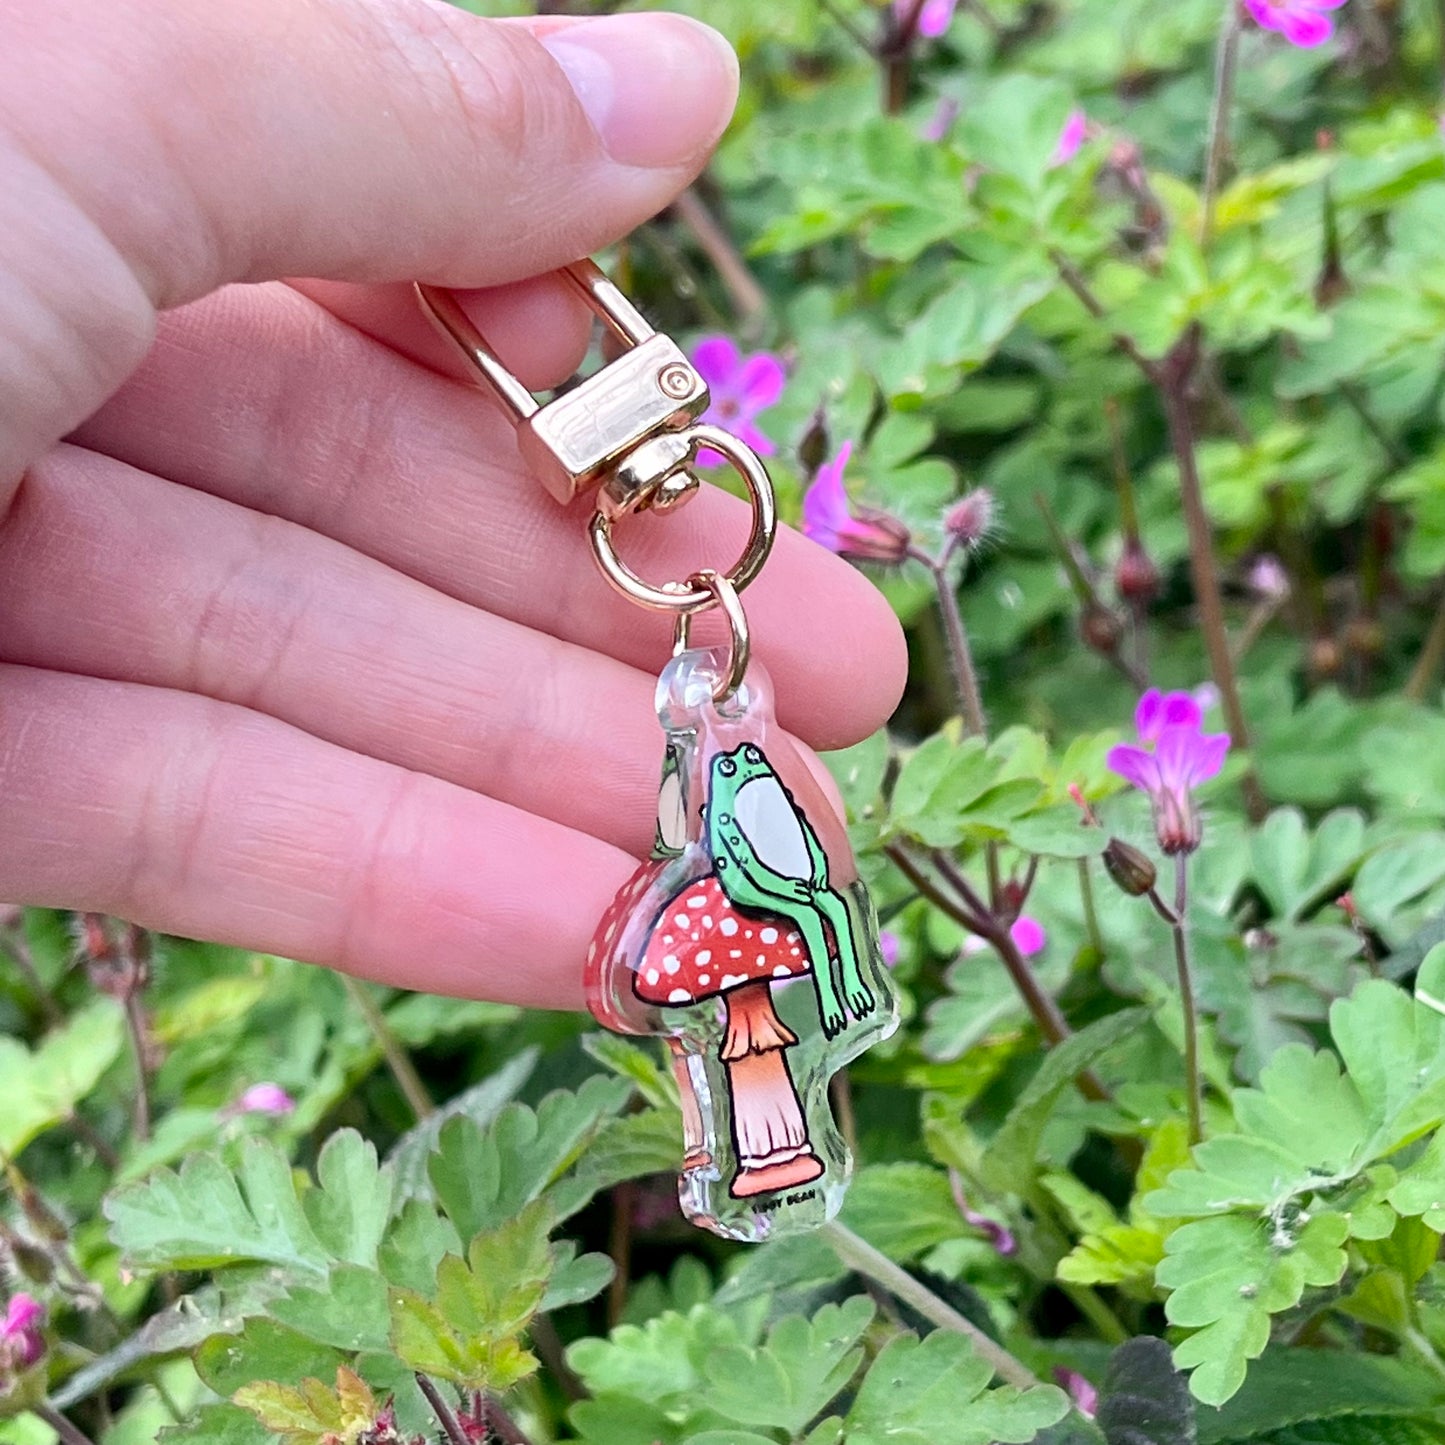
(620, 429)
(632, 431)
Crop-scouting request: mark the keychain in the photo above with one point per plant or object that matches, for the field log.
(747, 940)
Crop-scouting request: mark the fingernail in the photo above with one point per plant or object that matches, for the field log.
(657, 88)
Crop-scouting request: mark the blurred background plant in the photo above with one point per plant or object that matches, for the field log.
(1107, 335)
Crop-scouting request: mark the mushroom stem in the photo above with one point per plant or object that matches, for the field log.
(769, 1129)
(694, 1139)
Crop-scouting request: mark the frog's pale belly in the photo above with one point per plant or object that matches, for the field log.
(770, 824)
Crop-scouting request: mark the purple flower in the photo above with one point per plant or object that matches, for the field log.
(1173, 756)
(1028, 934)
(998, 1235)
(741, 389)
(264, 1099)
(22, 1341)
(941, 121)
(1267, 578)
(1079, 1390)
(934, 17)
(1071, 138)
(889, 947)
(869, 536)
(1301, 22)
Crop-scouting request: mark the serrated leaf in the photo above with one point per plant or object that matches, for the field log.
(349, 1211)
(935, 1392)
(483, 1177)
(42, 1087)
(223, 1424)
(206, 1217)
(575, 1277)
(264, 1350)
(1228, 1274)
(313, 1413)
(1144, 1400)
(791, 1377)
(1012, 1158)
(348, 1312)
(1421, 1188)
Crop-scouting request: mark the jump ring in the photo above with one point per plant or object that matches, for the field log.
(721, 593)
(673, 598)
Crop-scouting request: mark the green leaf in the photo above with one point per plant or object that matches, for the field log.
(1294, 869)
(935, 1392)
(206, 1217)
(789, 1379)
(483, 1177)
(1228, 1274)
(1144, 1400)
(1356, 1430)
(871, 1208)
(1421, 1189)
(223, 1424)
(314, 1413)
(1292, 1387)
(42, 1088)
(263, 1350)
(349, 1312)
(938, 780)
(1012, 1159)
(348, 1213)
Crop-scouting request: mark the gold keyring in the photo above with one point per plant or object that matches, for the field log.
(720, 592)
(689, 598)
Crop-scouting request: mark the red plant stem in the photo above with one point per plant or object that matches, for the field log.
(1192, 1081)
(446, 1416)
(1173, 380)
(960, 653)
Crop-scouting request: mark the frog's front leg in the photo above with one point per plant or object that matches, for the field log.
(834, 907)
(809, 923)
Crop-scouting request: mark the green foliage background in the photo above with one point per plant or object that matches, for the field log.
(970, 314)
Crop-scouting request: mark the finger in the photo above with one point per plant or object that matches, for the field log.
(152, 149)
(117, 574)
(342, 435)
(210, 821)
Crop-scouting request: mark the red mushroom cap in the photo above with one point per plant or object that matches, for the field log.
(598, 974)
(702, 946)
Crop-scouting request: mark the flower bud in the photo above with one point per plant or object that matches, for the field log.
(22, 1334)
(969, 520)
(29, 1258)
(814, 447)
(1136, 578)
(1100, 629)
(1130, 868)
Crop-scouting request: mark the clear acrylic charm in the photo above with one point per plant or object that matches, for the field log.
(750, 944)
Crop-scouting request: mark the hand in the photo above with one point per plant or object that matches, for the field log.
(292, 653)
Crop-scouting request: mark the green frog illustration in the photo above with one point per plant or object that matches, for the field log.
(769, 861)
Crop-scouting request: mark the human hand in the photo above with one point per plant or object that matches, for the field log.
(292, 653)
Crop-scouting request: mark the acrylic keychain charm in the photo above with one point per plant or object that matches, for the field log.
(747, 941)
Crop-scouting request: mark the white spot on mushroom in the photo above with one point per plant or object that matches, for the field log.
(651, 975)
(728, 927)
(698, 900)
(769, 935)
(682, 920)
(704, 955)
(707, 920)
(762, 959)
(704, 979)
(670, 962)
(729, 979)
(747, 933)
(735, 953)
(782, 971)
(667, 938)
(794, 952)
(679, 995)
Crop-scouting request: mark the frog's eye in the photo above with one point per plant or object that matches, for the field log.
(752, 754)
(727, 767)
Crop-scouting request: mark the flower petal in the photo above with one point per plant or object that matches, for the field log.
(759, 441)
(1209, 758)
(760, 382)
(825, 503)
(717, 360)
(1029, 935)
(1147, 714)
(1181, 710)
(935, 17)
(1306, 28)
(1134, 765)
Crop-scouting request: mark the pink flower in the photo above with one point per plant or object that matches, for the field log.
(1172, 758)
(1079, 1390)
(741, 389)
(869, 536)
(1301, 22)
(264, 1099)
(22, 1341)
(941, 121)
(998, 1235)
(1028, 934)
(934, 17)
(889, 947)
(1073, 135)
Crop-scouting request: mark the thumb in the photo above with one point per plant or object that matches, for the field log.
(152, 150)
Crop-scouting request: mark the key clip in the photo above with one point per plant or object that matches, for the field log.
(623, 429)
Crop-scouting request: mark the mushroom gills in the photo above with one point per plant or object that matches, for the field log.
(770, 824)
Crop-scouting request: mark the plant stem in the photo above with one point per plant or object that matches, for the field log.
(619, 1247)
(69, 1432)
(501, 1424)
(859, 1255)
(1225, 57)
(840, 1093)
(845, 23)
(960, 654)
(446, 1416)
(1180, 928)
(397, 1058)
(1427, 665)
(19, 952)
(1173, 380)
(749, 299)
(1091, 913)
(135, 1022)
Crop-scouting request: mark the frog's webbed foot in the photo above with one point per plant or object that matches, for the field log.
(834, 1020)
(860, 999)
